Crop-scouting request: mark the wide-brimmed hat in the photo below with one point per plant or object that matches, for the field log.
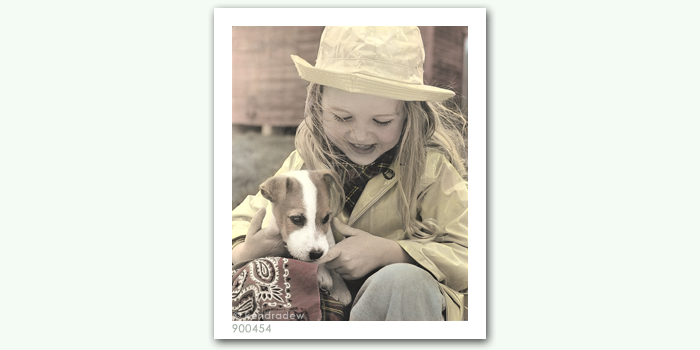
(382, 61)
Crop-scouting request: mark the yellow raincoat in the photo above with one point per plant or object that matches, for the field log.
(442, 196)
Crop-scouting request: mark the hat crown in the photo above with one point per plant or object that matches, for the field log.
(392, 53)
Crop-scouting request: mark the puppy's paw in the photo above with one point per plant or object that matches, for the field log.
(341, 294)
(340, 291)
(325, 281)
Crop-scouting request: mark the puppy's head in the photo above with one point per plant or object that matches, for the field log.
(303, 204)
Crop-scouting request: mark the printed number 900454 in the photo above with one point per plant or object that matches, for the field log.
(249, 328)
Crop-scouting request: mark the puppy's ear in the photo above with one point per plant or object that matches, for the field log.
(274, 189)
(335, 188)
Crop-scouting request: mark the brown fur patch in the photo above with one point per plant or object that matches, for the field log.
(323, 204)
(288, 200)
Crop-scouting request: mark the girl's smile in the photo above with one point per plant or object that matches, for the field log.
(362, 149)
(362, 126)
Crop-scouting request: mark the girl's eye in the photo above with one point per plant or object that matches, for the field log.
(346, 119)
(340, 119)
(325, 219)
(383, 123)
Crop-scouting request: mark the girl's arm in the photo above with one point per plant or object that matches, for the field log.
(445, 200)
(259, 242)
(361, 253)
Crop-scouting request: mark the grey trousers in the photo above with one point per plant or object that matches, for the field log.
(399, 292)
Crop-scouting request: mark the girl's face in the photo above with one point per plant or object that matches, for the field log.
(362, 126)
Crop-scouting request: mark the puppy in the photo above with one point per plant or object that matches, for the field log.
(303, 204)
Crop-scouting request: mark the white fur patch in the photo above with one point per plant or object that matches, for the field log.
(306, 239)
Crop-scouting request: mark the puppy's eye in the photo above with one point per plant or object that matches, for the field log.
(298, 220)
(325, 219)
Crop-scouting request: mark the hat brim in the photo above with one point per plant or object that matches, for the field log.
(365, 84)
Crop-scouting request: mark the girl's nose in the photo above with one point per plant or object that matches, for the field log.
(360, 135)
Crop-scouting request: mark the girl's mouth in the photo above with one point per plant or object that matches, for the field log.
(362, 149)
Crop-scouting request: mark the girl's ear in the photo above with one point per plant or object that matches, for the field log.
(274, 189)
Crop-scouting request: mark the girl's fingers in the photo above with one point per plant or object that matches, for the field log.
(331, 255)
(344, 229)
(347, 276)
(339, 226)
(256, 223)
(340, 270)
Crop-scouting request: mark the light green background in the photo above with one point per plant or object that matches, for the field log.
(106, 191)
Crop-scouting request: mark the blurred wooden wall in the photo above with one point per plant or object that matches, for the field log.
(267, 90)
(444, 56)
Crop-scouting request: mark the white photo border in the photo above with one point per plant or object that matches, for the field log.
(475, 19)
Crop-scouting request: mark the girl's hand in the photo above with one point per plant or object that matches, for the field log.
(260, 243)
(361, 253)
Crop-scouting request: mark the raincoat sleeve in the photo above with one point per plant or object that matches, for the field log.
(243, 214)
(444, 200)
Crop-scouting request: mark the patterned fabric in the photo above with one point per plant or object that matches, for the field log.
(355, 176)
(281, 289)
(331, 309)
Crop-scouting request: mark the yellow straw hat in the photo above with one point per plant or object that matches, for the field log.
(382, 61)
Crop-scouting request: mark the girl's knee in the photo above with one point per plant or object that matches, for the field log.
(399, 292)
(404, 276)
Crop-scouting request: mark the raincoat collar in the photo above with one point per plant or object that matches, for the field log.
(376, 188)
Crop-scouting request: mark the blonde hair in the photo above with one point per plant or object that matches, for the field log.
(428, 125)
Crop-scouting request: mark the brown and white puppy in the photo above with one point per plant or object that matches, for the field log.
(303, 204)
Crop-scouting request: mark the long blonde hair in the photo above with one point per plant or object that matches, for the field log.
(428, 125)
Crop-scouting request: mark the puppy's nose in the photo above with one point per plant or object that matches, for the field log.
(315, 254)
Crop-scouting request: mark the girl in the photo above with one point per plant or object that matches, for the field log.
(401, 156)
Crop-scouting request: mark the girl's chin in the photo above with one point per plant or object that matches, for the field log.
(361, 160)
